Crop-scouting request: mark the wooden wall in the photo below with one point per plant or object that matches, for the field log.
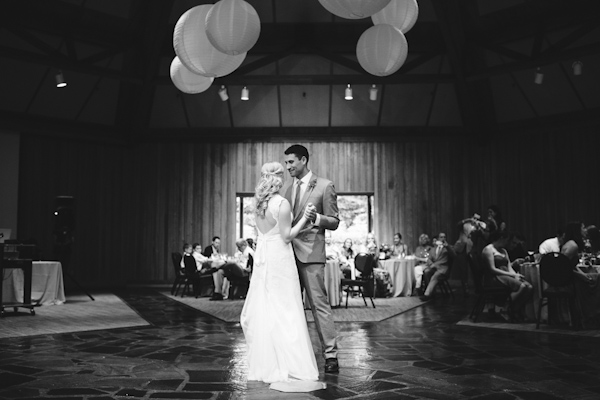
(136, 205)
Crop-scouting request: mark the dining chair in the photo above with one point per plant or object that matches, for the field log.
(443, 285)
(179, 275)
(556, 271)
(486, 293)
(364, 263)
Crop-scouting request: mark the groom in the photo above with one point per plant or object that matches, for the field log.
(309, 246)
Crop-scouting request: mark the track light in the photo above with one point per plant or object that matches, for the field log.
(577, 68)
(348, 93)
(223, 93)
(245, 94)
(539, 76)
(373, 93)
(60, 79)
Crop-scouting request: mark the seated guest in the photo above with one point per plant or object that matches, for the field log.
(399, 248)
(573, 245)
(500, 272)
(187, 252)
(201, 259)
(593, 235)
(347, 258)
(331, 250)
(438, 264)
(421, 255)
(370, 246)
(240, 269)
(553, 245)
(517, 251)
(214, 250)
(251, 243)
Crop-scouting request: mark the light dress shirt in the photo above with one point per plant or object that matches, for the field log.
(305, 180)
(550, 246)
(200, 259)
(242, 258)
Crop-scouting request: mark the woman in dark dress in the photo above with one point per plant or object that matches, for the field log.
(500, 272)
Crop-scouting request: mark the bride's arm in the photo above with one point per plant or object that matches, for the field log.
(288, 233)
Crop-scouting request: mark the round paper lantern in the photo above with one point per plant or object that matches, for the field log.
(195, 50)
(186, 81)
(232, 26)
(354, 9)
(381, 50)
(401, 14)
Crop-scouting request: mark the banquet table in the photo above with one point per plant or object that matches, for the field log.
(402, 273)
(47, 286)
(560, 309)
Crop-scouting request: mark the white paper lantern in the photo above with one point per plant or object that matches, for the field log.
(354, 9)
(381, 50)
(186, 81)
(401, 14)
(195, 50)
(232, 26)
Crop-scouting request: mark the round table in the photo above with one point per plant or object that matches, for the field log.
(402, 273)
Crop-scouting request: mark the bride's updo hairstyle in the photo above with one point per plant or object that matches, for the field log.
(269, 184)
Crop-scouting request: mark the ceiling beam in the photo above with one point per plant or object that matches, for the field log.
(363, 79)
(529, 63)
(60, 61)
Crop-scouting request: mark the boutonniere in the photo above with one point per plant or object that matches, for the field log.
(312, 184)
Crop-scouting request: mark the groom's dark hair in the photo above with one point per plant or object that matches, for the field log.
(298, 150)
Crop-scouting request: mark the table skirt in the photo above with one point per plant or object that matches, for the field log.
(47, 286)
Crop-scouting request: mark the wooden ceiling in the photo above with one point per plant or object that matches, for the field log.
(470, 71)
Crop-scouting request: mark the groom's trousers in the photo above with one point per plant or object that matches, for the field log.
(312, 278)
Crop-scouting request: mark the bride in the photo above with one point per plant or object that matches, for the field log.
(279, 347)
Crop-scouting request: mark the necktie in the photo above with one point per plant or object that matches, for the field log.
(297, 198)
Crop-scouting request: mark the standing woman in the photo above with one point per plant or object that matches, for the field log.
(500, 272)
(495, 220)
(462, 249)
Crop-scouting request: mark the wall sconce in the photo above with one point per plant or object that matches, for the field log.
(60, 80)
(223, 93)
(245, 94)
(373, 93)
(577, 68)
(539, 76)
(348, 93)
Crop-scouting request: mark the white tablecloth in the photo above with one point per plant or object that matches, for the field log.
(46, 284)
(333, 279)
(402, 273)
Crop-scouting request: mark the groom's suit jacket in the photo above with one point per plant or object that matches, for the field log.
(309, 245)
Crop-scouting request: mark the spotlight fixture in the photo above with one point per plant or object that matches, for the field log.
(223, 93)
(245, 94)
(577, 68)
(373, 93)
(348, 93)
(539, 76)
(60, 80)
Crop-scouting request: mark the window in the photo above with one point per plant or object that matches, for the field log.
(356, 217)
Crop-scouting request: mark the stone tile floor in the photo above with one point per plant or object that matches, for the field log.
(185, 354)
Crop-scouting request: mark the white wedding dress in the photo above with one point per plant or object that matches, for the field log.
(273, 320)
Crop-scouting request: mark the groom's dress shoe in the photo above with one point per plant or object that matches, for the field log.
(331, 365)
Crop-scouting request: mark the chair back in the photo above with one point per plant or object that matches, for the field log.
(556, 270)
(364, 263)
(190, 266)
(176, 259)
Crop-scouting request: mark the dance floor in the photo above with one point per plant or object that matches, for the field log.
(184, 353)
(230, 310)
